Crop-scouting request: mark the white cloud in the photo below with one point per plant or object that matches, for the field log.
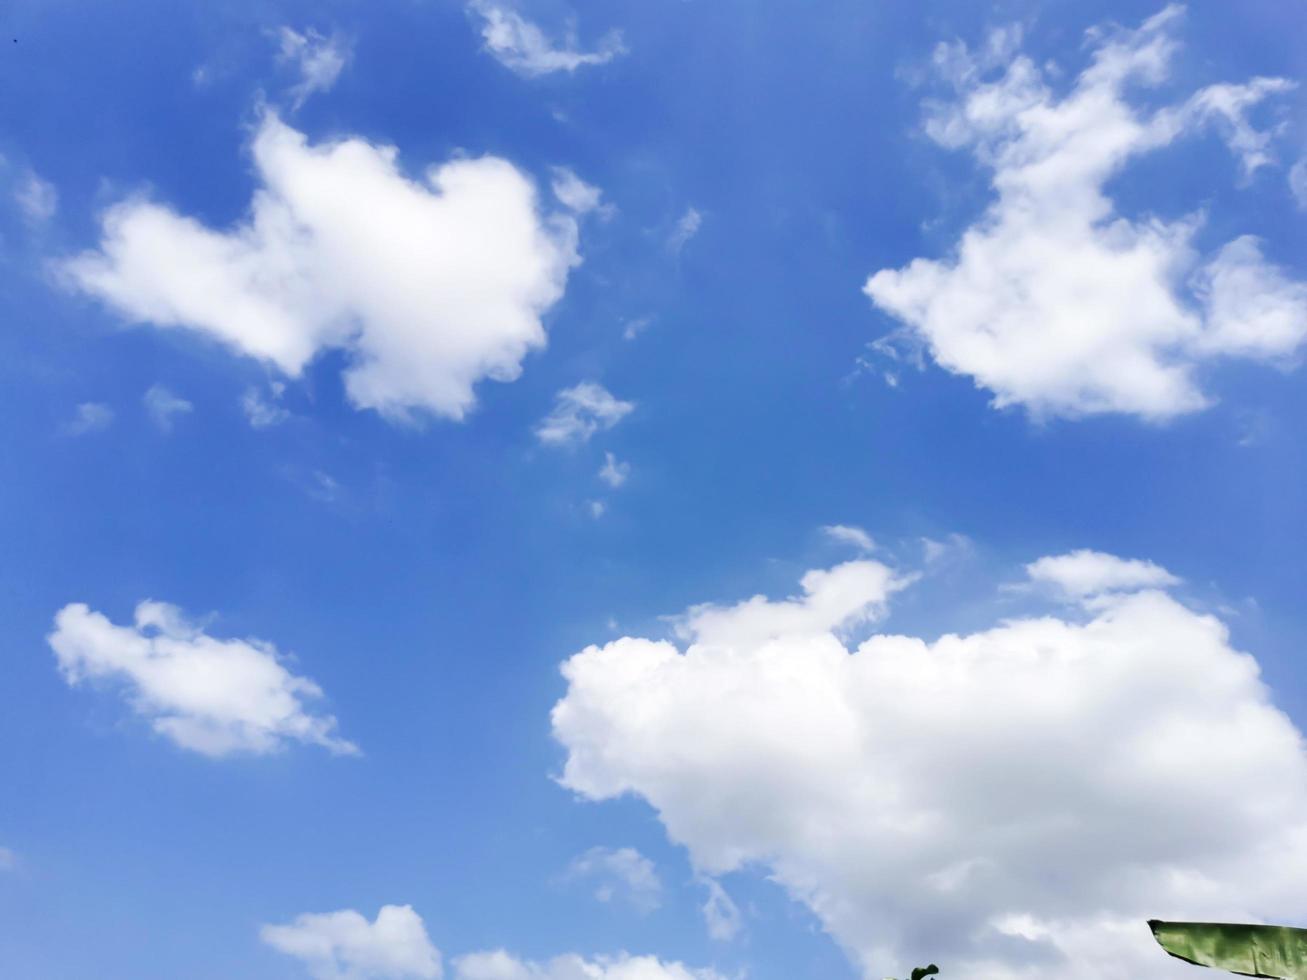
(833, 600)
(633, 328)
(687, 226)
(848, 534)
(1252, 309)
(346, 946)
(317, 59)
(36, 197)
(91, 417)
(212, 696)
(1011, 803)
(163, 406)
(1055, 301)
(1298, 183)
(579, 412)
(499, 965)
(578, 196)
(1084, 574)
(614, 472)
(720, 914)
(620, 872)
(264, 411)
(428, 286)
(522, 46)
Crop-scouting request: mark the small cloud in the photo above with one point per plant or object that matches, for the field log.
(1085, 575)
(8, 859)
(687, 226)
(163, 406)
(578, 196)
(597, 508)
(524, 48)
(209, 695)
(264, 411)
(621, 873)
(37, 198)
(633, 328)
(579, 412)
(317, 59)
(614, 472)
(324, 487)
(1298, 183)
(91, 417)
(955, 545)
(720, 914)
(344, 945)
(850, 535)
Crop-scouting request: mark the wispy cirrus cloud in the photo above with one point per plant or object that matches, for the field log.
(524, 47)
(579, 412)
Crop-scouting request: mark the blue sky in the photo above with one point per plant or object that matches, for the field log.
(455, 468)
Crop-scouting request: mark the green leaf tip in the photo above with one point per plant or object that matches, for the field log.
(1276, 952)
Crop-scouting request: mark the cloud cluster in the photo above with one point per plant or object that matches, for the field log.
(1055, 301)
(523, 47)
(212, 696)
(344, 945)
(1016, 801)
(429, 286)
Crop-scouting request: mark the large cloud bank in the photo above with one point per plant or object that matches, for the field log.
(1055, 301)
(430, 286)
(1013, 803)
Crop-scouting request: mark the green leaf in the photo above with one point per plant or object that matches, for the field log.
(924, 971)
(1251, 951)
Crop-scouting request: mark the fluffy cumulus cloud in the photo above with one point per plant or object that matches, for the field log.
(1054, 300)
(429, 285)
(526, 49)
(579, 412)
(209, 695)
(317, 60)
(346, 946)
(499, 965)
(1011, 803)
(620, 873)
